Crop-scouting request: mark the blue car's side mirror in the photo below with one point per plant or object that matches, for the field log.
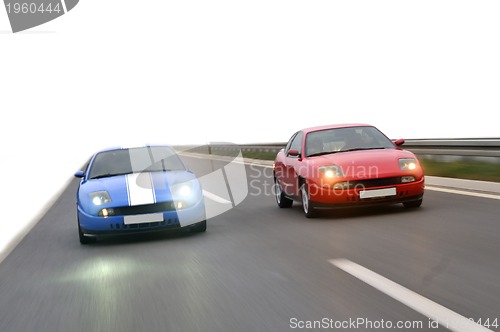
(79, 174)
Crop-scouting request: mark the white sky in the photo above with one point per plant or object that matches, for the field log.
(118, 72)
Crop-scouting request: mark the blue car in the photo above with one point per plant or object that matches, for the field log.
(132, 190)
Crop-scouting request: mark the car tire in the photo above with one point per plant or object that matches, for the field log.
(281, 199)
(199, 227)
(85, 239)
(307, 205)
(413, 204)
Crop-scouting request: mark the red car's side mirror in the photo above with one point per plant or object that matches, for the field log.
(400, 142)
(293, 153)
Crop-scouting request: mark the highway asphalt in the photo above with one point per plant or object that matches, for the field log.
(258, 268)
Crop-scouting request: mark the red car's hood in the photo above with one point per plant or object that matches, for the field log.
(365, 164)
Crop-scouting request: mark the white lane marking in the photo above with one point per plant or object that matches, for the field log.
(260, 165)
(444, 316)
(215, 197)
(463, 192)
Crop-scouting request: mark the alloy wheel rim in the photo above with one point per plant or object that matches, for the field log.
(305, 203)
(278, 191)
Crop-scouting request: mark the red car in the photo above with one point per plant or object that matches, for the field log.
(345, 166)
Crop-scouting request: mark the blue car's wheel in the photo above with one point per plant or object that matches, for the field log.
(199, 227)
(84, 239)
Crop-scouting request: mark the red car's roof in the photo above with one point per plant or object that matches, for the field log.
(345, 125)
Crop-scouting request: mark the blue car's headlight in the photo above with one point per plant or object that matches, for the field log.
(100, 197)
(186, 194)
(182, 190)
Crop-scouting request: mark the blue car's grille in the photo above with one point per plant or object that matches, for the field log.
(169, 223)
(142, 209)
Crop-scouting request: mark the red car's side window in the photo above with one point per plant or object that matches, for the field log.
(295, 143)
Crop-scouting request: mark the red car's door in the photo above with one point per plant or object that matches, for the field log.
(292, 163)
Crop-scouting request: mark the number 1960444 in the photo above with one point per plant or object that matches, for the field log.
(33, 8)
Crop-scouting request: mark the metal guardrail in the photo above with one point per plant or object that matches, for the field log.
(457, 148)
(486, 149)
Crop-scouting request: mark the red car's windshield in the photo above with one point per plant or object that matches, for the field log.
(345, 139)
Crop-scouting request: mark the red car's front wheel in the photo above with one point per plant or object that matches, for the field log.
(281, 199)
(307, 205)
(413, 204)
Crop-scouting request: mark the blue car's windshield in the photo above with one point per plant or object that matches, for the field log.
(134, 160)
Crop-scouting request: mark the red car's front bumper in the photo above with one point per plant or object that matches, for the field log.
(325, 196)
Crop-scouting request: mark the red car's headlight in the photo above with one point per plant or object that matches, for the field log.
(331, 172)
(407, 164)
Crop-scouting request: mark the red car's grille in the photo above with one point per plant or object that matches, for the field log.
(375, 182)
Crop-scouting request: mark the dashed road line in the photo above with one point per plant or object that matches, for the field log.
(438, 313)
(463, 192)
(215, 197)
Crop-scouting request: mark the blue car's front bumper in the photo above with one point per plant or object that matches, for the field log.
(172, 219)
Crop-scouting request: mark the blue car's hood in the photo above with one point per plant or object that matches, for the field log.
(136, 189)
